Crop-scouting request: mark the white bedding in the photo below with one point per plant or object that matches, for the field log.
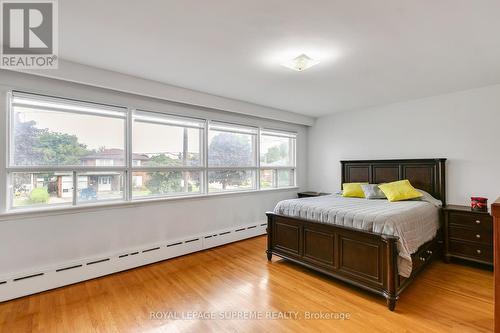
(414, 222)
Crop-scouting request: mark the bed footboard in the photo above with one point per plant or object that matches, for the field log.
(360, 258)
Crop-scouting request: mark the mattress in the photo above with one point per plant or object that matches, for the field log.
(414, 222)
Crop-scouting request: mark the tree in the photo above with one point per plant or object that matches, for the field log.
(35, 146)
(230, 150)
(25, 138)
(276, 153)
(59, 149)
(163, 160)
(164, 182)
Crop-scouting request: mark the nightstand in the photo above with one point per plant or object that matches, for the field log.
(468, 234)
(310, 194)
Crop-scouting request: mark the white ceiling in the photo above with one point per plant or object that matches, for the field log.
(372, 52)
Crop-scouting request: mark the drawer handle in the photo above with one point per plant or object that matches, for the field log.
(478, 236)
(478, 221)
(422, 259)
(478, 251)
(429, 252)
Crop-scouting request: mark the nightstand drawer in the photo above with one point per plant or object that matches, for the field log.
(478, 252)
(479, 236)
(473, 221)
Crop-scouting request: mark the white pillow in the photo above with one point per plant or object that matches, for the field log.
(372, 191)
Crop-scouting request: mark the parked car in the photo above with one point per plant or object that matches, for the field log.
(88, 193)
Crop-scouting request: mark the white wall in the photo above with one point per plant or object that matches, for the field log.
(462, 126)
(31, 242)
(28, 244)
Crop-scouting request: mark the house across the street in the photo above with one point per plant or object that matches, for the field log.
(105, 184)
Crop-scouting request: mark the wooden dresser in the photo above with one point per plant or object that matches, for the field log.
(468, 234)
(495, 211)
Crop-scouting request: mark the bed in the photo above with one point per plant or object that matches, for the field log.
(372, 244)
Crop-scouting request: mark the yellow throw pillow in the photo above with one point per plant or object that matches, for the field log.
(400, 190)
(353, 190)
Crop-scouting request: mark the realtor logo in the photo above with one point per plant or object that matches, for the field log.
(29, 34)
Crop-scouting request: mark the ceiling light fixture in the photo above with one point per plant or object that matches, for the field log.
(300, 63)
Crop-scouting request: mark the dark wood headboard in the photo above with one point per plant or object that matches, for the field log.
(425, 174)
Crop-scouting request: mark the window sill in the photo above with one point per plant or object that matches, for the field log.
(91, 207)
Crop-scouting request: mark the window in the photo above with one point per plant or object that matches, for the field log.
(163, 183)
(31, 189)
(64, 153)
(54, 143)
(167, 155)
(277, 159)
(58, 132)
(232, 160)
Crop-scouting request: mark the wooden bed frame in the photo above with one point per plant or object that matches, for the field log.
(361, 258)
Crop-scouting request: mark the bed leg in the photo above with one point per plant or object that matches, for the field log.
(270, 220)
(392, 271)
(391, 303)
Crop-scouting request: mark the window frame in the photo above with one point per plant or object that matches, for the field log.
(11, 168)
(145, 168)
(250, 130)
(129, 168)
(293, 151)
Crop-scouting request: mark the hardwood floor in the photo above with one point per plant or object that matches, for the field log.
(237, 277)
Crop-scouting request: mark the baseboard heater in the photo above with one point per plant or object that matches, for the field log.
(63, 274)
